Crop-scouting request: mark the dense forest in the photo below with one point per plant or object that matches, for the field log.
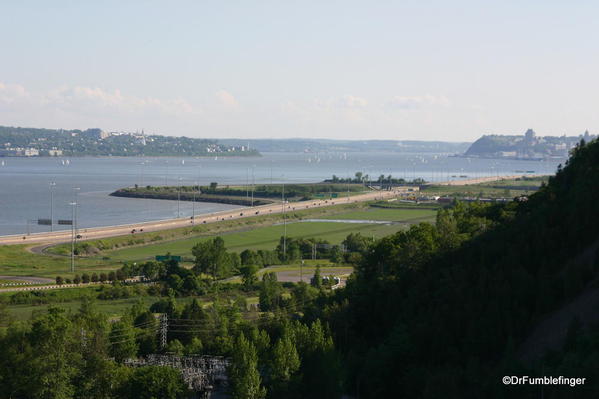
(433, 311)
(443, 311)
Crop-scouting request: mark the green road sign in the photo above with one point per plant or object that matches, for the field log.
(164, 258)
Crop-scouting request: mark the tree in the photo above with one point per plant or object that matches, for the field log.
(59, 280)
(76, 279)
(153, 382)
(317, 279)
(94, 278)
(4, 314)
(270, 292)
(211, 258)
(249, 257)
(336, 255)
(176, 347)
(285, 360)
(243, 371)
(85, 278)
(122, 340)
(248, 275)
(355, 242)
(54, 364)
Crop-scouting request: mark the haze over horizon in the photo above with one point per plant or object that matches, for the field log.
(336, 70)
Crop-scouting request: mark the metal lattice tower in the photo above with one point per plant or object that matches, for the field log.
(163, 330)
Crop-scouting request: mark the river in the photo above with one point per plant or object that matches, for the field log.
(33, 188)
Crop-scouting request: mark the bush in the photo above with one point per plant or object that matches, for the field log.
(59, 280)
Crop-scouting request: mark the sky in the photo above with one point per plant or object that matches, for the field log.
(425, 70)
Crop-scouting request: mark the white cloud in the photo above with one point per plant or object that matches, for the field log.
(227, 99)
(349, 116)
(93, 101)
(418, 102)
(11, 93)
(345, 102)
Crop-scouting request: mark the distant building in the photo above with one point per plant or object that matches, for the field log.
(55, 153)
(96, 133)
(530, 136)
(19, 152)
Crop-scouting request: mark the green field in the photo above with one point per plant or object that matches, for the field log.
(253, 233)
(16, 260)
(259, 238)
(395, 215)
(502, 188)
(110, 307)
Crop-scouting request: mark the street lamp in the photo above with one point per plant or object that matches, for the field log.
(52, 185)
(74, 205)
(253, 182)
(75, 194)
(179, 200)
(284, 220)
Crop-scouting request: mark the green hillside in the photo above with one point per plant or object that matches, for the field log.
(445, 310)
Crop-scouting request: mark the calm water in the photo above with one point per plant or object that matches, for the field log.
(25, 192)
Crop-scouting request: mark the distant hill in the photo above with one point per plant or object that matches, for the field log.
(326, 145)
(527, 146)
(25, 142)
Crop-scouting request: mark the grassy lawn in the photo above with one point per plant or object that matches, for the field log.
(396, 215)
(259, 238)
(501, 188)
(16, 260)
(253, 233)
(110, 307)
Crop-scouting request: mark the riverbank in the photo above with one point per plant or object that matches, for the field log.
(133, 228)
(187, 196)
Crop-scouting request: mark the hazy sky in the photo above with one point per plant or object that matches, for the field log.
(448, 70)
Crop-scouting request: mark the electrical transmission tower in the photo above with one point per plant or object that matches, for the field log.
(163, 330)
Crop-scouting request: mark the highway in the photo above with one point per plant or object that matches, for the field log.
(112, 231)
(128, 229)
